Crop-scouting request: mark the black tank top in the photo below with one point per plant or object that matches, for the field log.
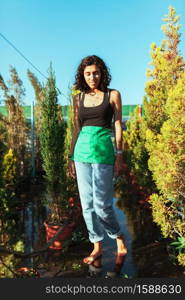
(100, 115)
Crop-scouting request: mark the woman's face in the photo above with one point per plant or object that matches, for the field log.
(92, 76)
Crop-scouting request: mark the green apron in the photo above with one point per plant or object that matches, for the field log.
(94, 145)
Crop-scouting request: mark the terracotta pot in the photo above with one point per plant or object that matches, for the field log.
(51, 230)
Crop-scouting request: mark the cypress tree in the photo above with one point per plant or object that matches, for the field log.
(15, 122)
(52, 147)
(156, 140)
(164, 112)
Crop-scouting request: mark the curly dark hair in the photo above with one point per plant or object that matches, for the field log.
(105, 79)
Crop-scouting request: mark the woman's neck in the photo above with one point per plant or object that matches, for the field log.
(93, 91)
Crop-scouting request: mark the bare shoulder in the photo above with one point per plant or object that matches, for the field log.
(115, 96)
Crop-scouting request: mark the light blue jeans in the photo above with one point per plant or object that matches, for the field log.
(95, 185)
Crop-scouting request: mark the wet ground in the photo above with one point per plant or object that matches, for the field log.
(129, 268)
(142, 261)
(69, 263)
(146, 257)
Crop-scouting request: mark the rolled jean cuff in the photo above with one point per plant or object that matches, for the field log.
(96, 240)
(114, 236)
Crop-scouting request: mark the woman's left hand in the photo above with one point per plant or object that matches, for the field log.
(118, 166)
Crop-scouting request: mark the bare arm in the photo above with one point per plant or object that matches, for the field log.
(116, 100)
(76, 130)
(76, 123)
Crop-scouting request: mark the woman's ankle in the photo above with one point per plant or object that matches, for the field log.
(121, 245)
(97, 247)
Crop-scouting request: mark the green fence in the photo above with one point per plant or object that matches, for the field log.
(27, 111)
(126, 109)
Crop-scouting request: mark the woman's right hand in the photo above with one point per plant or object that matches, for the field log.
(72, 170)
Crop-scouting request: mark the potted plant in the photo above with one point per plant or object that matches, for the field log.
(60, 219)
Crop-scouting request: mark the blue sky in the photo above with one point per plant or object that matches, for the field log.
(65, 31)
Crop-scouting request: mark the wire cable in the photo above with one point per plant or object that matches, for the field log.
(20, 53)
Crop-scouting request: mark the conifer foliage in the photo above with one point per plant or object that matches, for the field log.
(167, 66)
(15, 123)
(165, 136)
(135, 152)
(37, 110)
(52, 133)
(156, 141)
(14, 160)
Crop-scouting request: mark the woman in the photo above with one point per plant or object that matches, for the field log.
(93, 160)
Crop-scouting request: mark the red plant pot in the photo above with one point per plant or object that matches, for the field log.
(51, 230)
